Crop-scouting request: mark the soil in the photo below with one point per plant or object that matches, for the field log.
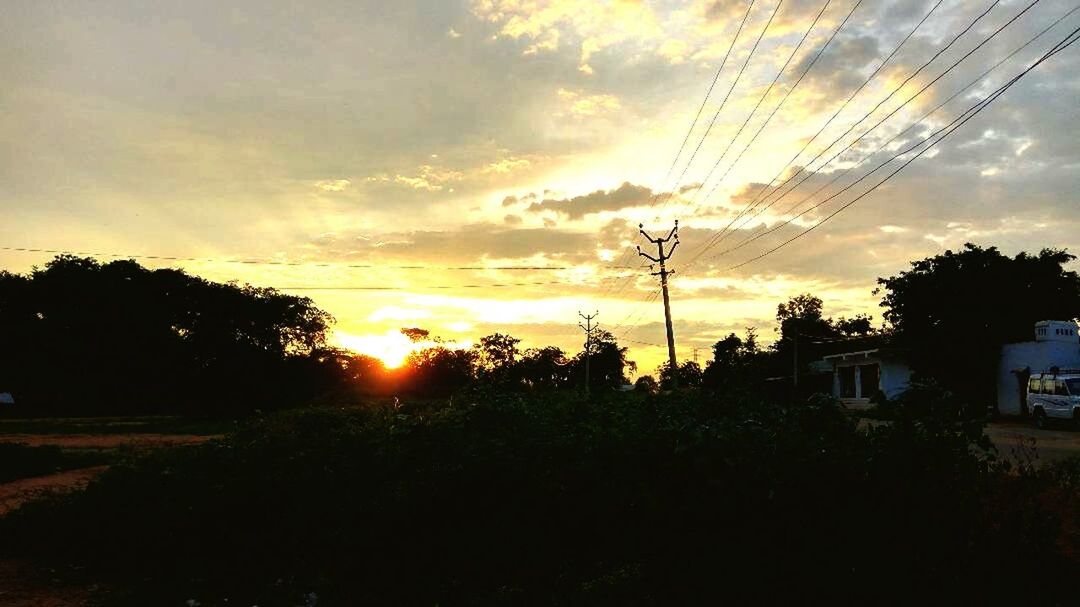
(106, 441)
(17, 493)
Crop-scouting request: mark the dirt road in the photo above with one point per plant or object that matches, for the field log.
(106, 441)
(1020, 441)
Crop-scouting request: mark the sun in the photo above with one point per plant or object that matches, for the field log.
(392, 348)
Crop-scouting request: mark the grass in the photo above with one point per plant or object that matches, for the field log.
(115, 425)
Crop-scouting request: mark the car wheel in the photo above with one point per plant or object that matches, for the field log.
(1039, 417)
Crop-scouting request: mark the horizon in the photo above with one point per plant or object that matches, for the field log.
(488, 134)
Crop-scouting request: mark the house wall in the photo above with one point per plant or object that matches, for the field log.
(1036, 356)
(895, 377)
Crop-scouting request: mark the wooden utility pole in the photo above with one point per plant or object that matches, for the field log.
(589, 328)
(660, 258)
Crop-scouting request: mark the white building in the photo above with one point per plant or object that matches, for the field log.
(858, 376)
(1056, 346)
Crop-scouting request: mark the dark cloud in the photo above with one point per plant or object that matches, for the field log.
(625, 196)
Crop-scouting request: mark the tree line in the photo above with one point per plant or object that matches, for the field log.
(80, 336)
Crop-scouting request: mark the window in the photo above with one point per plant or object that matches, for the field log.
(1048, 385)
(1060, 389)
(1073, 384)
(1034, 385)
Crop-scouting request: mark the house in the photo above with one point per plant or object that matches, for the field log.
(1056, 346)
(858, 376)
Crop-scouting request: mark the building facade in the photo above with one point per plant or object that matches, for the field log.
(858, 376)
(1056, 346)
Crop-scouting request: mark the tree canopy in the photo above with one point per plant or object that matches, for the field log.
(952, 312)
(83, 336)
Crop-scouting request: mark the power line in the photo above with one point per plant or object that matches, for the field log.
(821, 130)
(790, 90)
(861, 161)
(426, 287)
(944, 132)
(723, 102)
(765, 94)
(719, 109)
(629, 250)
(894, 91)
(271, 262)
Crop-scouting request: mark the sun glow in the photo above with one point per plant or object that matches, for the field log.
(392, 348)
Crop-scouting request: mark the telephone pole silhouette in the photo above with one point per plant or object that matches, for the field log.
(660, 258)
(589, 328)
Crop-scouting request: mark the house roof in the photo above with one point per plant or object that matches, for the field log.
(846, 355)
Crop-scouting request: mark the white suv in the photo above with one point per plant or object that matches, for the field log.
(1054, 396)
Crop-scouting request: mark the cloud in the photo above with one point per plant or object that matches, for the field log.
(333, 185)
(626, 195)
(581, 105)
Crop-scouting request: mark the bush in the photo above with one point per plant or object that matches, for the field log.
(559, 500)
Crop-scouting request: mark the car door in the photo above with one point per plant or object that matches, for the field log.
(1057, 398)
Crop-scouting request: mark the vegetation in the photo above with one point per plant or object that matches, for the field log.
(952, 312)
(503, 499)
(22, 461)
(87, 338)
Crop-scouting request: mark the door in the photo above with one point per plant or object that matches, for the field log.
(1056, 397)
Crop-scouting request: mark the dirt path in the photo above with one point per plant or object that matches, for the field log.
(1014, 439)
(17, 493)
(106, 441)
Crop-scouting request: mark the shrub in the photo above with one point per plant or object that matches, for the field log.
(552, 499)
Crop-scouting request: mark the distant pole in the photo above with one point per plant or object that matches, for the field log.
(588, 327)
(660, 258)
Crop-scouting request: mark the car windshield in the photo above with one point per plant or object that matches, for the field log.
(1074, 385)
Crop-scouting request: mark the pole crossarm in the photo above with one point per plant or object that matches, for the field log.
(661, 257)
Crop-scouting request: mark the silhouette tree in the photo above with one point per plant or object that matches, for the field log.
(85, 337)
(952, 312)
(609, 363)
(543, 368)
(690, 375)
(496, 357)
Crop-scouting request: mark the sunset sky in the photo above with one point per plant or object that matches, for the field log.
(452, 133)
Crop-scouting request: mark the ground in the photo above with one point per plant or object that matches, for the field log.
(21, 587)
(1019, 439)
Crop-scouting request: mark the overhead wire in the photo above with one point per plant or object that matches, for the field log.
(628, 252)
(764, 187)
(893, 92)
(765, 94)
(272, 262)
(941, 134)
(841, 173)
(790, 90)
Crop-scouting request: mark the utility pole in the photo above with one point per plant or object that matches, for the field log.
(660, 258)
(589, 328)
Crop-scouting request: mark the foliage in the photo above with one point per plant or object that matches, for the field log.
(953, 312)
(689, 374)
(84, 337)
(556, 499)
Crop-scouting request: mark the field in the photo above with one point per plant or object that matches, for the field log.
(41, 456)
(548, 499)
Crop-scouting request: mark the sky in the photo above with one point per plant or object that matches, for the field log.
(410, 138)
